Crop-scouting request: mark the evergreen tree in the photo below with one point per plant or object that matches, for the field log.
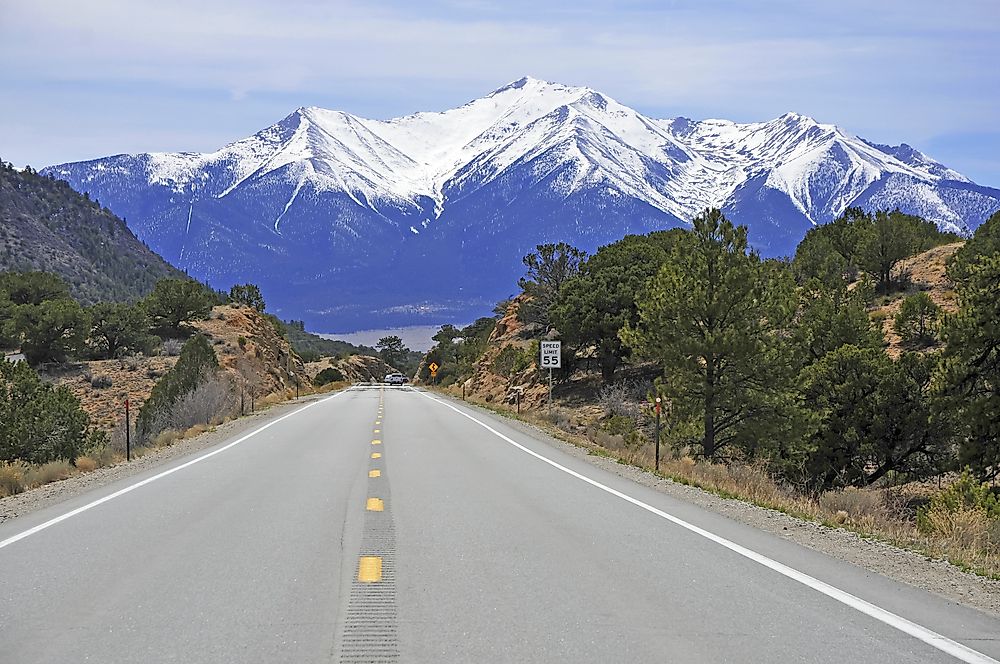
(40, 423)
(50, 331)
(984, 242)
(197, 362)
(593, 306)
(247, 294)
(117, 329)
(392, 351)
(33, 287)
(548, 268)
(970, 376)
(176, 301)
(870, 416)
(831, 317)
(714, 317)
(916, 321)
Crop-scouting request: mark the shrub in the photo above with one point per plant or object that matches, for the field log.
(11, 478)
(210, 399)
(916, 321)
(101, 381)
(53, 471)
(328, 375)
(171, 347)
(965, 494)
(197, 363)
(41, 423)
(86, 464)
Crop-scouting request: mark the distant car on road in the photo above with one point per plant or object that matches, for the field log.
(395, 379)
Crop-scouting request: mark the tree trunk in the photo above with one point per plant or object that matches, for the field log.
(708, 443)
(608, 365)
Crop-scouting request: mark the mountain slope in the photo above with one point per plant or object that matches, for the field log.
(350, 222)
(45, 225)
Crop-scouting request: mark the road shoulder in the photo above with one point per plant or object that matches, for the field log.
(909, 567)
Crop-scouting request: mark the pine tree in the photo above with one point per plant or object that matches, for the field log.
(916, 321)
(970, 377)
(712, 318)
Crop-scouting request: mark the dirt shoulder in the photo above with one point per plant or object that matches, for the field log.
(936, 576)
(56, 492)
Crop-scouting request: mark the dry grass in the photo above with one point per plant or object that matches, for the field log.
(11, 478)
(85, 464)
(165, 438)
(53, 471)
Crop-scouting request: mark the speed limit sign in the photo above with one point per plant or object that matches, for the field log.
(551, 355)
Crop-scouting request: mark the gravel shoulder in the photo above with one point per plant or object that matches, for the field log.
(936, 576)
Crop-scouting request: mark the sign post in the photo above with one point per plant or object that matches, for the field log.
(658, 433)
(433, 366)
(128, 434)
(551, 358)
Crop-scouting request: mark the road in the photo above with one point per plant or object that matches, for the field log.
(393, 525)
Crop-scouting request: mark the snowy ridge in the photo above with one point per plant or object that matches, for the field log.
(677, 165)
(433, 206)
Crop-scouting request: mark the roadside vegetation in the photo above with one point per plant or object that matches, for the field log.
(774, 376)
(47, 432)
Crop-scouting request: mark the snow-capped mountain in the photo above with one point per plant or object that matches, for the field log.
(349, 222)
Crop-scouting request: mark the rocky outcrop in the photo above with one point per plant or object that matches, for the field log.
(508, 368)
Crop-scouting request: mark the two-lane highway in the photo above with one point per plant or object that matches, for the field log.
(388, 524)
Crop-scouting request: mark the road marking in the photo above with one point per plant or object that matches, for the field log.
(370, 569)
(376, 442)
(132, 487)
(928, 636)
(378, 422)
(378, 431)
(376, 455)
(375, 505)
(374, 473)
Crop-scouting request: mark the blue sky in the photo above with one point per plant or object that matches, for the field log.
(83, 80)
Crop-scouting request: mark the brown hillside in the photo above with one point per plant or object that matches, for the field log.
(247, 345)
(923, 272)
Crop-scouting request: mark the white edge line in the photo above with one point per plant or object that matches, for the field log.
(132, 487)
(930, 637)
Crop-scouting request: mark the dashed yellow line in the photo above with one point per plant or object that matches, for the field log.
(376, 442)
(378, 431)
(376, 455)
(374, 473)
(375, 505)
(370, 569)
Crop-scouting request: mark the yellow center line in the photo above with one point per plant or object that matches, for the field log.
(375, 505)
(376, 455)
(376, 442)
(370, 569)
(378, 431)
(374, 473)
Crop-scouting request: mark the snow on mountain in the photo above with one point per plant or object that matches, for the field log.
(429, 212)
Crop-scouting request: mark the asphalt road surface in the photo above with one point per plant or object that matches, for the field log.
(391, 525)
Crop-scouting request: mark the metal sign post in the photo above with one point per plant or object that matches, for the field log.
(128, 433)
(657, 433)
(550, 358)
